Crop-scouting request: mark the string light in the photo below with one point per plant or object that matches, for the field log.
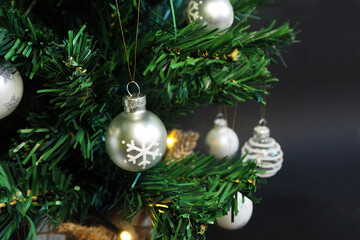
(170, 142)
(172, 139)
(125, 235)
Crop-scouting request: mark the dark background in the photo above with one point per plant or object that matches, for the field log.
(314, 113)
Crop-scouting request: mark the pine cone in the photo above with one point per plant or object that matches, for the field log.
(184, 143)
(79, 232)
(140, 228)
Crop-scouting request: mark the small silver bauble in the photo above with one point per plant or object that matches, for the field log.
(216, 14)
(264, 150)
(11, 89)
(136, 138)
(221, 141)
(245, 210)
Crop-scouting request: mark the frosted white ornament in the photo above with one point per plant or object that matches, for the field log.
(136, 138)
(11, 89)
(241, 219)
(213, 13)
(264, 150)
(221, 140)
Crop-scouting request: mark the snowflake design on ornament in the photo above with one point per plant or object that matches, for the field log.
(12, 103)
(193, 10)
(143, 152)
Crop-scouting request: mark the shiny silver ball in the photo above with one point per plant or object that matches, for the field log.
(11, 89)
(264, 150)
(136, 138)
(216, 14)
(245, 210)
(221, 140)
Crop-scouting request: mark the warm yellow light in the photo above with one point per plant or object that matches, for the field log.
(125, 235)
(171, 139)
(170, 142)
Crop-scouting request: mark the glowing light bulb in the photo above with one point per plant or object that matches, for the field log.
(171, 139)
(125, 235)
(170, 142)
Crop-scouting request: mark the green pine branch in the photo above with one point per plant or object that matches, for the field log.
(185, 196)
(57, 165)
(22, 41)
(199, 68)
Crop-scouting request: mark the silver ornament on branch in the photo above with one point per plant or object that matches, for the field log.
(216, 14)
(264, 150)
(221, 140)
(11, 89)
(136, 138)
(245, 210)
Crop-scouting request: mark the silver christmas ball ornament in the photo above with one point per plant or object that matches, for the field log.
(245, 210)
(264, 150)
(216, 14)
(136, 138)
(11, 89)
(221, 140)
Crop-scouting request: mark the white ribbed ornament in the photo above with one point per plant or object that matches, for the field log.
(264, 150)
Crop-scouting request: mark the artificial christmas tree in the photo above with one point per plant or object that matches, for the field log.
(76, 62)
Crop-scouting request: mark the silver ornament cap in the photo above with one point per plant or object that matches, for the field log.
(221, 140)
(136, 138)
(264, 150)
(11, 89)
(134, 104)
(216, 14)
(261, 132)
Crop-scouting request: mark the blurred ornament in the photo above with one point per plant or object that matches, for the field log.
(241, 219)
(221, 141)
(11, 89)
(264, 150)
(216, 14)
(180, 144)
(136, 138)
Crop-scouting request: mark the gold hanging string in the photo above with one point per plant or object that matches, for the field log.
(123, 38)
(132, 77)
(262, 111)
(225, 112)
(234, 116)
(136, 39)
(263, 107)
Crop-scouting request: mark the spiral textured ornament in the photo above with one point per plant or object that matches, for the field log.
(216, 14)
(11, 89)
(136, 138)
(245, 210)
(221, 140)
(264, 150)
